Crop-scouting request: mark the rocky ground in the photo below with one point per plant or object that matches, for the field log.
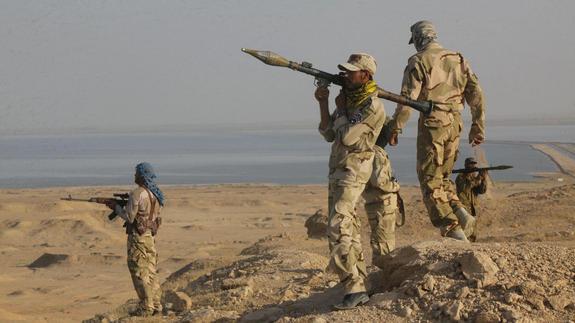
(521, 270)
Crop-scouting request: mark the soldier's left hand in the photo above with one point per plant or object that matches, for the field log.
(393, 138)
(477, 140)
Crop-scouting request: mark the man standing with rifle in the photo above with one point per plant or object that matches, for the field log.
(141, 214)
(353, 130)
(470, 182)
(469, 185)
(445, 78)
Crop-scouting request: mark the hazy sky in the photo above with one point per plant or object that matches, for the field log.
(143, 64)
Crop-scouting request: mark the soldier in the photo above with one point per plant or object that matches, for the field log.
(469, 185)
(353, 129)
(444, 77)
(381, 203)
(142, 221)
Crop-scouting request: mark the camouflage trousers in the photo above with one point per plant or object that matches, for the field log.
(380, 196)
(344, 235)
(142, 263)
(437, 149)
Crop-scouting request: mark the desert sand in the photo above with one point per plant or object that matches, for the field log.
(241, 252)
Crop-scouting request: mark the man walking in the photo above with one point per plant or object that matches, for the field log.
(444, 77)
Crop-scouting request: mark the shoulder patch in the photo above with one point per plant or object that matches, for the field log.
(359, 115)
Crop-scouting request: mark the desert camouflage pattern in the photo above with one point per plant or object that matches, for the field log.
(444, 77)
(142, 263)
(380, 196)
(353, 135)
(468, 187)
(422, 33)
(142, 254)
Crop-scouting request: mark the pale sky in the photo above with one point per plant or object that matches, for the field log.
(148, 64)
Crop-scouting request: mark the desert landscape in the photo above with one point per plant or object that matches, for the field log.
(239, 252)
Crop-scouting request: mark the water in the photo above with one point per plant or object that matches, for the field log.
(283, 157)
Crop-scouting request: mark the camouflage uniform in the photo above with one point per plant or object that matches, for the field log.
(468, 187)
(444, 77)
(350, 165)
(381, 206)
(142, 254)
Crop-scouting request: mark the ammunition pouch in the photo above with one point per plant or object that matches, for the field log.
(144, 222)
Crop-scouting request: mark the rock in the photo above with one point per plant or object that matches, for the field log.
(559, 302)
(454, 311)
(233, 283)
(289, 295)
(486, 317)
(463, 292)
(501, 262)
(49, 259)
(208, 314)
(511, 315)
(428, 283)
(438, 267)
(317, 225)
(332, 284)
(512, 298)
(242, 292)
(319, 320)
(383, 300)
(476, 265)
(533, 294)
(405, 311)
(269, 314)
(180, 301)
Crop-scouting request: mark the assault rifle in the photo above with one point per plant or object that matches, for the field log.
(324, 79)
(477, 169)
(120, 199)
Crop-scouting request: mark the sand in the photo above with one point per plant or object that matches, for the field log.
(65, 261)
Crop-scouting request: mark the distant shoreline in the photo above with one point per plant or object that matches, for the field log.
(565, 163)
(263, 126)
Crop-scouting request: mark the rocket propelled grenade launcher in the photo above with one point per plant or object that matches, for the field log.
(325, 79)
(477, 169)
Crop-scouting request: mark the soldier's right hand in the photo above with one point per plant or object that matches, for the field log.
(393, 138)
(321, 94)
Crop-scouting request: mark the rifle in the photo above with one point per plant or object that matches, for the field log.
(119, 198)
(324, 79)
(477, 169)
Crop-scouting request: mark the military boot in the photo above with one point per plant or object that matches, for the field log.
(352, 300)
(453, 231)
(466, 221)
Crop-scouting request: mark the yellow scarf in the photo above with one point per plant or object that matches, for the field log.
(355, 98)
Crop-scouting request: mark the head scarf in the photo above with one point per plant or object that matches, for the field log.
(355, 98)
(422, 33)
(146, 173)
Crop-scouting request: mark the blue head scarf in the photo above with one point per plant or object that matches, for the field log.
(146, 173)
